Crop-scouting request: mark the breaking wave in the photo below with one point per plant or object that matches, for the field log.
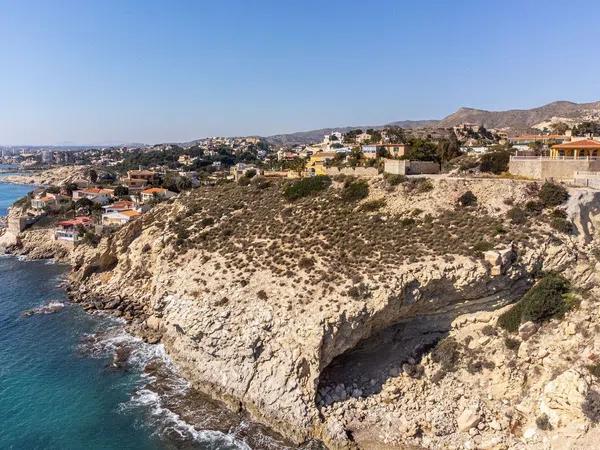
(167, 405)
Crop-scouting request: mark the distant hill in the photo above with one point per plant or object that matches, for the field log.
(515, 119)
(307, 137)
(519, 118)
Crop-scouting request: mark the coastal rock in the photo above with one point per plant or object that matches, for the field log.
(563, 400)
(469, 418)
(527, 329)
(257, 320)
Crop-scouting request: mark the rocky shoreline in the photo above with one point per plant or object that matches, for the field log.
(305, 367)
(56, 176)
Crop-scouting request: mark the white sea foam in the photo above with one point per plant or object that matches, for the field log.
(167, 422)
(48, 308)
(164, 422)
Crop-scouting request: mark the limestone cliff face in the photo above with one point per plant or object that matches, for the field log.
(254, 297)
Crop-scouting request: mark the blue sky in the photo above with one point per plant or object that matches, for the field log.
(155, 71)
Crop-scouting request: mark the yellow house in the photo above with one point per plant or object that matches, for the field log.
(584, 148)
(316, 163)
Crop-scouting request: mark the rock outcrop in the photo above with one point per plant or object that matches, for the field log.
(255, 298)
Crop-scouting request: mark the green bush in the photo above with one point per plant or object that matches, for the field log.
(207, 221)
(495, 162)
(483, 246)
(394, 180)
(562, 225)
(467, 199)
(517, 215)
(594, 369)
(355, 190)
(306, 186)
(543, 422)
(446, 354)
(511, 343)
(561, 213)
(534, 207)
(419, 185)
(511, 319)
(546, 299)
(373, 205)
(244, 181)
(260, 182)
(360, 291)
(552, 194)
(407, 221)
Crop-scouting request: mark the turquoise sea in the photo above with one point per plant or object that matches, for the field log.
(71, 380)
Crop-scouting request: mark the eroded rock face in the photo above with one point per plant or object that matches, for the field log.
(260, 335)
(563, 400)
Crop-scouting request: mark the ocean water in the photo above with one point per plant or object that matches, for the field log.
(71, 380)
(9, 193)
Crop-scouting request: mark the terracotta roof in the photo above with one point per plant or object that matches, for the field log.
(130, 213)
(81, 220)
(97, 191)
(385, 145)
(575, 145)
(141, 172)
(125, 204)
(154, 190)
(539, 137)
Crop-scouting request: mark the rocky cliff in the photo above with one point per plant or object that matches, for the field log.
(302, 312)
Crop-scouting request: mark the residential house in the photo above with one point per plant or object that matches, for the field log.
(336, 136)
(283, 155)
(316, 165)
(97, 195)
(149, 176)
(121, 205)
(47, 202)
(186, 160)
(117, 218)
(392, 150)
(240, 169)
(137, 180)
(156, 193)
(71, 230)
(565, 161)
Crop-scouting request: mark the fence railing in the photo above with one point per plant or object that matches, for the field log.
(586, 174)
(557, 158)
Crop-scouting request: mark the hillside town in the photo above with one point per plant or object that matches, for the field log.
(111, 186)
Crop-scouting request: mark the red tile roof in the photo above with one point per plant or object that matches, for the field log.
(575, 145)
(80, 220)
(154, 190)
(538, 137)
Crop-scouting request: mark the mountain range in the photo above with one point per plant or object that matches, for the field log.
(514, 119)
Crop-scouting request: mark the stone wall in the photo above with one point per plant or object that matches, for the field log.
(551, 168)
(405, 167)
(423, 167)
(396, 166)
(355, 171)
(587, 179)
(528, 168)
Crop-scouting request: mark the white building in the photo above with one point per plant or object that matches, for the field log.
(156, 193)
